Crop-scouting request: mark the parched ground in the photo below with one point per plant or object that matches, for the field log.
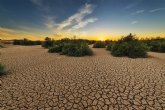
(37, 80)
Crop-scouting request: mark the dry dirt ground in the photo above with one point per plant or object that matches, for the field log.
(37, 80)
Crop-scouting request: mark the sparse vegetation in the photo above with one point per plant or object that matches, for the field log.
(156, 44)
(109, 46)
(48, 42)
(129, 46)
(99, 44)
(70, 47)
(162, 47)
(26, 42)
(2, 69)
(55, 49)
(76, 49)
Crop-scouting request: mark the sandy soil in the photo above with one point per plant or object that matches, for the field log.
(40, 80)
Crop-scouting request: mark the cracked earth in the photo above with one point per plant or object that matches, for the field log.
(38, 80)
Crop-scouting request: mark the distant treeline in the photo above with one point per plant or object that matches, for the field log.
(26, 42)
(154, 44)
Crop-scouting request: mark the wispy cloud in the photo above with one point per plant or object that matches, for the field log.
(134, 22)
(130, 6)
(157, 9)
(133, 4)
(70, 26)
(37, 2)
(50, 22)
(41, 5)
(84, 23)
(78, 17)
(138, 12)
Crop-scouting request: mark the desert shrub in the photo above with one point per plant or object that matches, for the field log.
(76, 49)
(69, 48)
(129, 46)
(162, 47)
(91, 42)
(85, 50)
(17, 42)
(37, 42)
(26, 42)
(2, 69)
(154, 46)
(157, 46)
(99, 44)
(109, 46)
(48, 42)
(55, 49)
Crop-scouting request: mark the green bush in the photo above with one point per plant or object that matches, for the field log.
(68, 48)
(162, 47)
(99, 44)
(154, 46)
(48, 42)
(129, 46)
(55, 49)
(109, 46)
(2, 69)
(157, 46)
(85, 50)
(76, 49)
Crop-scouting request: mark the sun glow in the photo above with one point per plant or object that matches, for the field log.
(101, 39)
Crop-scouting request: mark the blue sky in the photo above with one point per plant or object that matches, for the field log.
(92, 19)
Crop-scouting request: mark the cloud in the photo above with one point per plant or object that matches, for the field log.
(134, 22)
(78, 17)
(37, 2)
(133, 4)
(157, 9)
(138, 12)
(70, 26)
(41, 5)
(2, 30)
(84, 23)
(50, 23)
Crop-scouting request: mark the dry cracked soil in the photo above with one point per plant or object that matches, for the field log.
(38, 80)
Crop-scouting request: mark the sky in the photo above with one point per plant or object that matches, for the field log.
(86, 19)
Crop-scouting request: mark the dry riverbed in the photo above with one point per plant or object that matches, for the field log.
(40, 80)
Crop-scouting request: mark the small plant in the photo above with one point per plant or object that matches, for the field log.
(76, 49)
(129, 46)
(2, 69)
(55, 49)
(99, 44)
(109, 46)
